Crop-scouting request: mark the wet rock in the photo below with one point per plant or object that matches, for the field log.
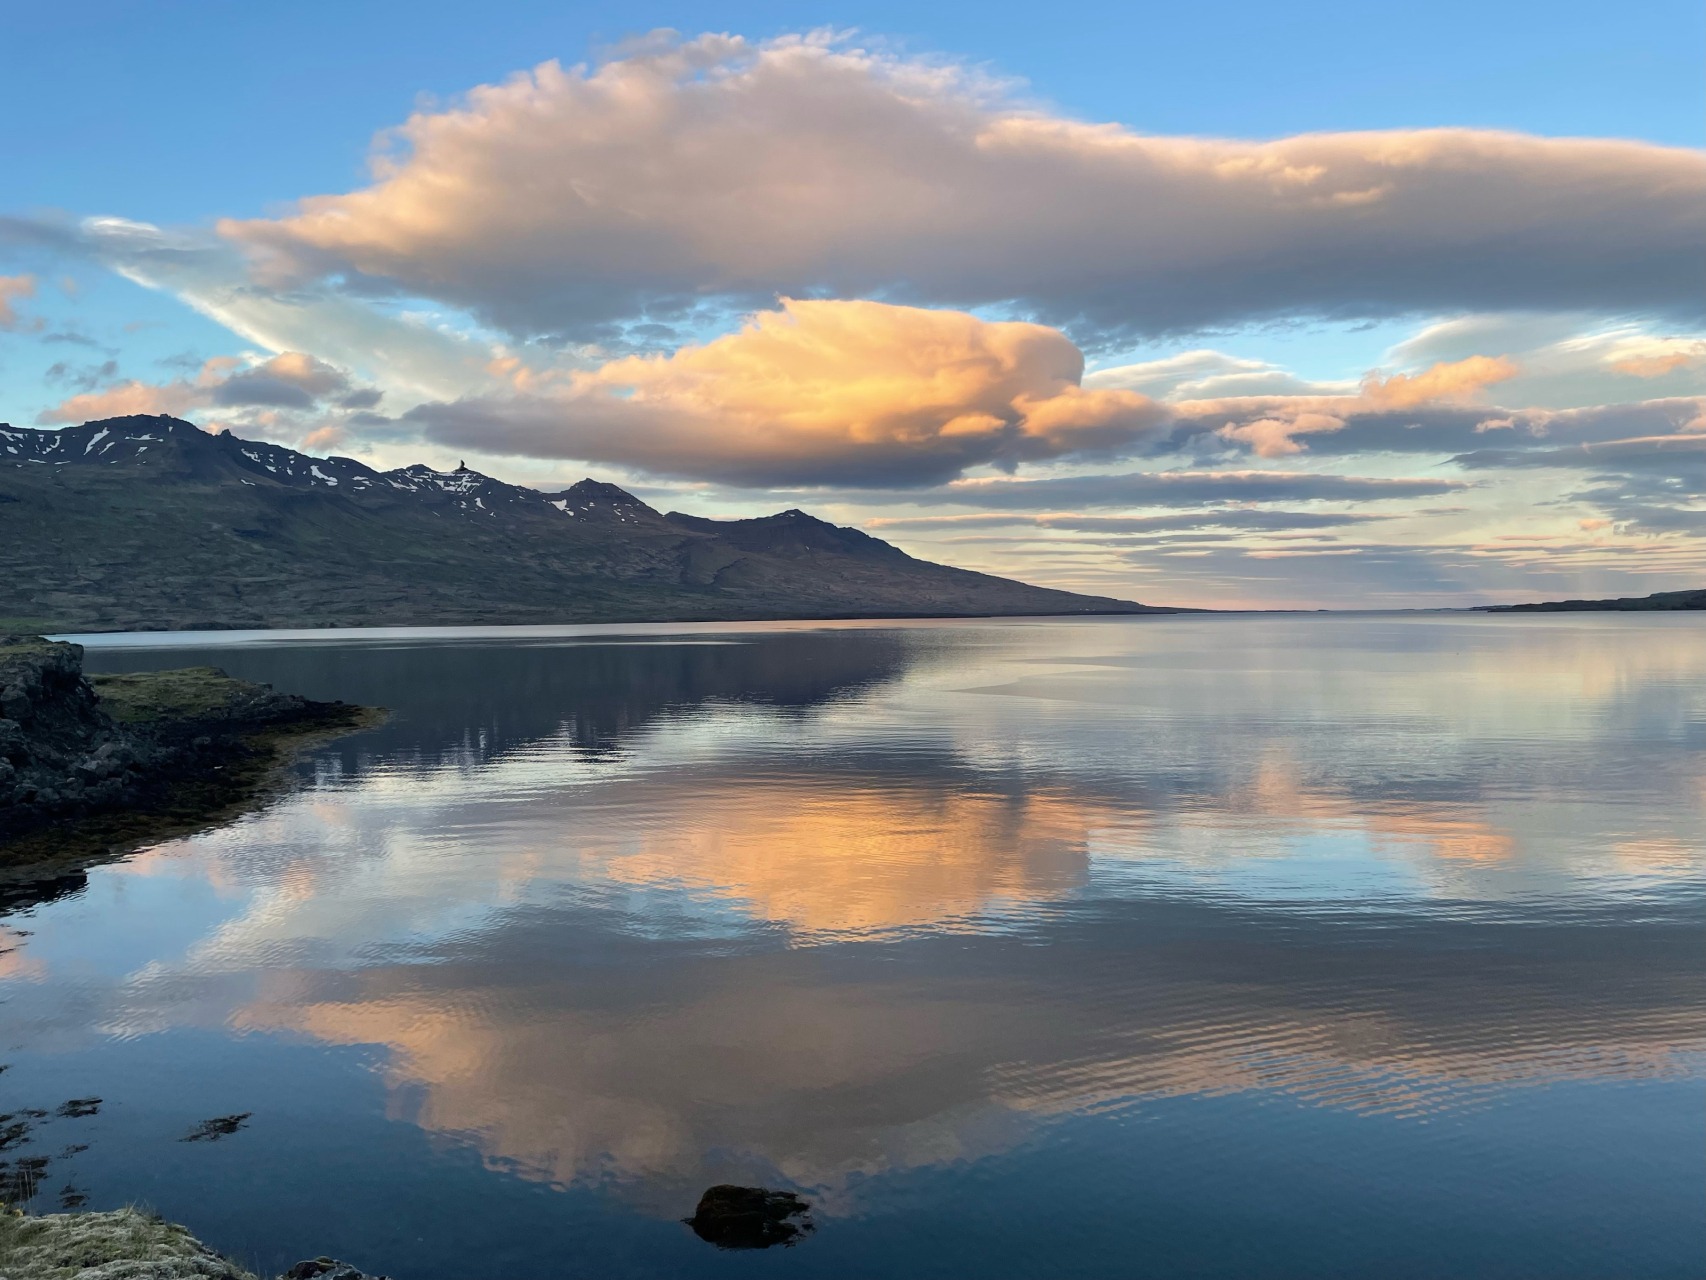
(327, 1269)
(217, 1128)
(732, 1217)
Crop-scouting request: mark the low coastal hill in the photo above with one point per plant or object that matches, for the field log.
(148, 523)
(1660, 601)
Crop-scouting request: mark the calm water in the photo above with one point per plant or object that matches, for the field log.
(1221, 947)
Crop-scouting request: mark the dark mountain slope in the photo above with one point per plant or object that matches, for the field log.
(149, 522)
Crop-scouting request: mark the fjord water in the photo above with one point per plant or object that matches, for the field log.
(1212, 947)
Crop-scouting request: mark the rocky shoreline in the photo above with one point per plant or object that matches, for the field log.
(98, 763)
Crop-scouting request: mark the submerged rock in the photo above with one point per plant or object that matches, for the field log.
(733, 1217)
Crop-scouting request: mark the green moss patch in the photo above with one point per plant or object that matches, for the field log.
(125, 1244)
(192, 693)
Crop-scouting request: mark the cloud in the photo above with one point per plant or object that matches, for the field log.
(1166, 489)
(11, 289)
(292, 380)
(1273, 432)
(1368, 422)
(1276, 437)
(1566, 360)
(716, 169)
(1654, 358)
(850, 393)
(84, 377)
(1238, 518)
(125, 398)
(1458, 380)
(415, 356)
(1681, 455)
(866, 394)
(1206, 373)
(266, 396)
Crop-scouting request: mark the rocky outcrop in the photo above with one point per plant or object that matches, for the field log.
(184, 741)
(61, 754)
(122, 1245)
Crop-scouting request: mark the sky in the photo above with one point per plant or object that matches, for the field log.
(1327, 305)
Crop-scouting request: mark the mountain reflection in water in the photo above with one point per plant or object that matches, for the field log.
(1240, 946)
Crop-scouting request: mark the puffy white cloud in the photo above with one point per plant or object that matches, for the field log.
(852, 393)
(716, 168)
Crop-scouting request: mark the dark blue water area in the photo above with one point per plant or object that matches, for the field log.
(1552, 1182)
(1218, 948)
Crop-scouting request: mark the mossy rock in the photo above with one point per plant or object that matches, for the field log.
(191, 693)
(125, 1244)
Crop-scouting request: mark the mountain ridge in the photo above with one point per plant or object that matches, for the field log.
(148, 522)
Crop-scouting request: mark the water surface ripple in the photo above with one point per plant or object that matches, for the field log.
(1211, 947)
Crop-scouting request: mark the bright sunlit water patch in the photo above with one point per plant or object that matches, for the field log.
(1222, 946)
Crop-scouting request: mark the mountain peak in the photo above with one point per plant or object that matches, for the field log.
(599, 500)
(590, 490)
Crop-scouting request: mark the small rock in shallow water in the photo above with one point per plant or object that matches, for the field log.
(733, 1217)
(218, 1127)
(326, 1269)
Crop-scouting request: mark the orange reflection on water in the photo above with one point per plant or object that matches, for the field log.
(16, 964)
(862, 856)
(1450, 831)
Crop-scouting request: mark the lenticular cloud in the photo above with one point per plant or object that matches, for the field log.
(717, 169)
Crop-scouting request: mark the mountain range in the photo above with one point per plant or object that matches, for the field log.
(149, 522)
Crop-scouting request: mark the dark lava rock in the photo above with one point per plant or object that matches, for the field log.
(326, 1269)
(733, 1217)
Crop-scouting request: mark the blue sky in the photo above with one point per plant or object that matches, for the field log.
(203, 125)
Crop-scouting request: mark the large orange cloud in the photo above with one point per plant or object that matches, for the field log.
(836, 391)
(566, 199)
